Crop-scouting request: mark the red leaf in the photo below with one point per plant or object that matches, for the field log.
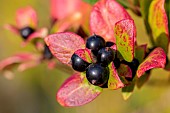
(63, 8)
(103, 17)
(28, 64)
(63, 45)
(18, 58)
(114, 81)
(125, 33)
(26, 17)
(125, 71)
(12, 28)
(156, 59)
(71, 21)
(77, 91)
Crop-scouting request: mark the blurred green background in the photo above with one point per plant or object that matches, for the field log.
(34, 90)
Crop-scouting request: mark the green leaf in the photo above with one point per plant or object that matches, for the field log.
(124, 3)
(125, 32)
(142, 80)
(90, 1)
(131, 5)
(167, 8)
(140, 52)
(144, 7)
(114, 81)
(158, 22)
(127, 91)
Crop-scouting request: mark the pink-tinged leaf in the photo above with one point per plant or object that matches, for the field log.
(158, 22)
(28, 64)
(127, 91)
(63, 8)
(12, 28)
(85, 54)
(72, 21)
(26, 17)
(18, 58)
(125, 71)
(41, 33)
(76, 91)
(125, 33)
(114, 81)
(104, 15)
(63, 45)
(140, 52)
(156, 59)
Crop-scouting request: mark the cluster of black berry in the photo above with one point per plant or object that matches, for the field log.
(97, 73)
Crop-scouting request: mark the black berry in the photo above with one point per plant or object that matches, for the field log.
(26, 32)
(105, 56)
(95, 42)
(78, 63)
(109, 44)
(47, 53)
(97, 74)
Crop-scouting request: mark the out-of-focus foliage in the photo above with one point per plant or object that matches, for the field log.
(34, 90)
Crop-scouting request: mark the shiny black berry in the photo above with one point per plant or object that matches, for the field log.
(105, 56)
(95, 42)
(97, 74)
(47, 53)
(109, 44)
(26, 32)
(78, 63)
